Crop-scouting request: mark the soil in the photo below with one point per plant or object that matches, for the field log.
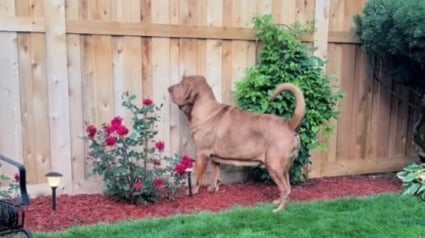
(80, 210)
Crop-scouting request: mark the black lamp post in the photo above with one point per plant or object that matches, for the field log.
(53, 179)
(189, 180)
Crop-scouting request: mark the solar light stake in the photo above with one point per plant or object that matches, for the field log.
(189, 180)
(53, 179)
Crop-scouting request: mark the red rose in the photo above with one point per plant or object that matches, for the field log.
(180, 169)
(147, 102)
(138, 186)
(111, 141)
(159, 145)
(157, 163)
(122, 130)
(91, 131)
(158, 182)
(187, 162)
(109, 130)
(16, 177)
(116, 121)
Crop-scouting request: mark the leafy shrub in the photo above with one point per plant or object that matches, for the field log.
(11, 190)
(283, 58)
(413, 178)
(132, 163)
(394, 31)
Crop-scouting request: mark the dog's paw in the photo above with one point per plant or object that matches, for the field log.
(195, 190)
(213, 189)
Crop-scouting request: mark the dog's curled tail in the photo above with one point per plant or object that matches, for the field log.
(299, 112)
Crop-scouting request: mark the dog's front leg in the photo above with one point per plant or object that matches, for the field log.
(215, 174)
(201, 166)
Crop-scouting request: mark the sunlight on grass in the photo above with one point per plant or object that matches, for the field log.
(380, 216)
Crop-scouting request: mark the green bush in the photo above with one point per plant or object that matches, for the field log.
(413, 178)
(394, 32)
(283, 58)
(10, 187)
(130, 161)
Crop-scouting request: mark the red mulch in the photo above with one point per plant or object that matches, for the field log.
(90, 209)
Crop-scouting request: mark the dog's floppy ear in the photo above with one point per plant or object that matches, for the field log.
(191, 92)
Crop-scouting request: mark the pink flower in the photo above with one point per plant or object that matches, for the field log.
(187, 162)
(180, 169)
(109, 130)
(138, 186)
(116, 121)
(111, 141)
(16, 177)
(147, 102)
(122, 130)
(91, 131)
(158, 182)
(159, 145)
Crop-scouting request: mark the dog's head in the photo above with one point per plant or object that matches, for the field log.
(185, 93)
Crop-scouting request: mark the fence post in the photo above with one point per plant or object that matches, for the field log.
(58, 90)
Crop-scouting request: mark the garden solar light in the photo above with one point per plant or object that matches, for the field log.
(53, 179)
(189, 180)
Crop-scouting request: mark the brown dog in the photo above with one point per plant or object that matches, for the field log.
(224, 134)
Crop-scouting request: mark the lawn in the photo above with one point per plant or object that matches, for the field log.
(377, 216)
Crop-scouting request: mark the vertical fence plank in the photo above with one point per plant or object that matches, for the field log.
(214, 49)
(40, 99)
(76, 96)
(188, 61)
(226, 78)
(10, 107)
(160, 71)
(264, 7)
(127, 56)
(34, 96)
(102, 63)
(26, 86)
(284, 11)
(177, 120)
(361, 96)
(345, 120)
(243, 52)
(321, 16)
(57, 63)
(201, 48)
(146, 15)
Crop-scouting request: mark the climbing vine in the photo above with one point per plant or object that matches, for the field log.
(284, 58)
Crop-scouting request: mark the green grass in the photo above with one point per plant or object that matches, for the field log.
(380, 216)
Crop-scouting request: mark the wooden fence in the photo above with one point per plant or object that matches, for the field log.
(65, 63)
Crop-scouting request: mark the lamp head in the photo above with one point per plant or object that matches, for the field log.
(53, 179)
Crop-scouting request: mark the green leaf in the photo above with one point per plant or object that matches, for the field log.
(411, 190)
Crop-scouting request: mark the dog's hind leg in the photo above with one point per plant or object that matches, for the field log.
(279, 179)
(215, 175)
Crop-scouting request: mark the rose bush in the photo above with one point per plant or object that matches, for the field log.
(131, 161)
(10, 187)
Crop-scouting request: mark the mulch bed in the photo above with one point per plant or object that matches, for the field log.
(80, 210)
